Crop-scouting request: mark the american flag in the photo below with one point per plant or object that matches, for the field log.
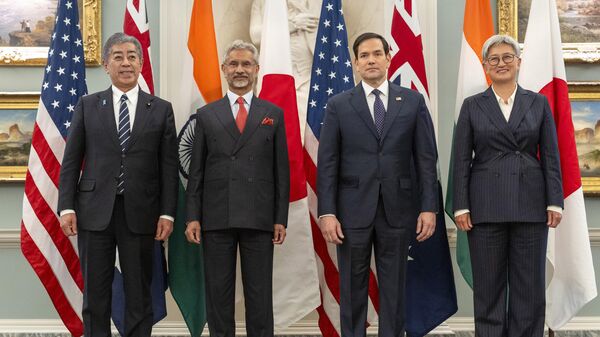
(52, 255)
(331, 74)
(430, 290)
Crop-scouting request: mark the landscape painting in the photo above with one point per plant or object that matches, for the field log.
(26, 23)
(16, 127)
(586, 119)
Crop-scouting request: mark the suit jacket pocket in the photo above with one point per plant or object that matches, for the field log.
(349, 182)
(86, 185)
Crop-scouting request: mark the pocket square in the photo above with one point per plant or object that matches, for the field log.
(267, 121)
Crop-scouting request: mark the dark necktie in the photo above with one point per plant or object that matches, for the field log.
(124, 133)
(378, 111)
(242, 115)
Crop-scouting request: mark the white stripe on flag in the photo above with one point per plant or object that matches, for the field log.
(55, 140)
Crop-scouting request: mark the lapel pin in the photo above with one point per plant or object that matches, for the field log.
(104, 102)
(398, 98)
(148, 104)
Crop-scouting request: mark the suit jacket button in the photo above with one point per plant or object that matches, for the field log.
(232, 157)
(123, 155)
(250, 180)
(517, 153)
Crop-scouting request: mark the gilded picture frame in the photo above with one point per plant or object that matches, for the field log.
(585, 108)
(576, 24)
(90, 17)
(17, 116)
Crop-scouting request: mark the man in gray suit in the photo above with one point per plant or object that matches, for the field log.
(238, 194)
(367, 199)
(118, 188)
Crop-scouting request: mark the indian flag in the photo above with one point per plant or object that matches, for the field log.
(477, 28)
(200, 84)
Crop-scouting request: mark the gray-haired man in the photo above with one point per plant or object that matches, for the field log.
(238, 194)
(118, 188)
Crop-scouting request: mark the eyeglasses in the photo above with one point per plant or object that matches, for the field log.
(506, 58)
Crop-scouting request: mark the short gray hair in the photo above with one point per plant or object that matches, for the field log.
(241, 45)
(497, 40)
(120, 38)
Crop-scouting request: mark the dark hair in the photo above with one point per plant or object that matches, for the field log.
(367, 36)
(120, 38)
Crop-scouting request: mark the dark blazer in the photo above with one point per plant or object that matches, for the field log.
(355, 163)
(505, 180)
(150, 164)
(239, 180)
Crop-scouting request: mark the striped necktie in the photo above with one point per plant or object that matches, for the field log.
(124, 133)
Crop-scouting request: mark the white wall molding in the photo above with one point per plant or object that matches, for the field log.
(305, 328)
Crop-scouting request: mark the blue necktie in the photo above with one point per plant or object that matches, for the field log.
(124, 133)
(378, 111)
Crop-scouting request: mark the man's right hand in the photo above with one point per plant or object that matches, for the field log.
(68, 223)
(192, 232)
(331, 229)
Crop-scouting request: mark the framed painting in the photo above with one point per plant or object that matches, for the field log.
(17, 117)
(585, 107)
(26, 28)
(579, 26)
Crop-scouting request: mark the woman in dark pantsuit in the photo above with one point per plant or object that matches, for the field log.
(507, 192)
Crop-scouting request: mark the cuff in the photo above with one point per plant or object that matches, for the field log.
(326, 215)
(167, 217)
(67, 211)
(461, 212)
(556, 209)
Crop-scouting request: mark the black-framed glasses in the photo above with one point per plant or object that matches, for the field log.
(506, 58)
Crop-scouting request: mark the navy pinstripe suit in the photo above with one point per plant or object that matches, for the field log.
(506, 174)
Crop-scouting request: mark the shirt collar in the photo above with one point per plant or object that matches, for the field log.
(233, 97)
(131, 94)
(384, 88)
(511, 98)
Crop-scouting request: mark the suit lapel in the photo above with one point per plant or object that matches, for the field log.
(142, 115)
(491, 108)
(522, 101)
(393, 109)
(255, 116)
(222, 110)
(107, 115)
(359, 103)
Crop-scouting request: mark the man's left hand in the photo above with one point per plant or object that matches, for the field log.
(164, 227)
(425, 226)
(278, 234)
(553, 219)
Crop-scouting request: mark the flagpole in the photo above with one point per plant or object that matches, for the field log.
(550, 332)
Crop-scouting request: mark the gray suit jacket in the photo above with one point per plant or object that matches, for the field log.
(239, 180)
(150, 163)
(355, 163)
(497, 172)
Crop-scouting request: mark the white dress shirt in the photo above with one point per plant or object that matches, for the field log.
(233, 101)
(384, 88)
(132, 98)
(506, 108)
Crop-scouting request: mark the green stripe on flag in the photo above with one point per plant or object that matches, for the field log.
(186, 273)
(462, 245)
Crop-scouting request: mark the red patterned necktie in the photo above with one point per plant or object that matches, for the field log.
(242, 115)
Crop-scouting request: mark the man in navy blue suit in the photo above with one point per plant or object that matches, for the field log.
(367, 198)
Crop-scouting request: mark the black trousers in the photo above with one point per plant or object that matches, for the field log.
(354, 259)
(220, 256)
(97, 256)
(508, 261)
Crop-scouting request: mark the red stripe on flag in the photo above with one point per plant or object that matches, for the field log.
(332, 277)
(48, 219)
(44, 272)
(280, 90)
(557, 93)
(47, 157)
(327, 329)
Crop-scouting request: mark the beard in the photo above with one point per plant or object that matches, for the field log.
(240, 82)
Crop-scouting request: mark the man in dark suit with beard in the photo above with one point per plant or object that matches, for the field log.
(238, 194)
(367, 199)
(118, 188)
